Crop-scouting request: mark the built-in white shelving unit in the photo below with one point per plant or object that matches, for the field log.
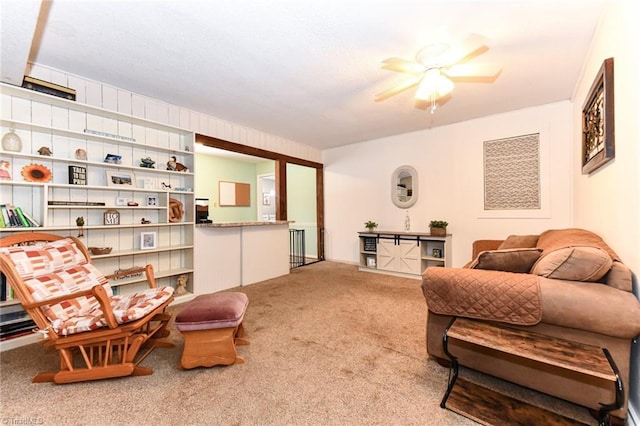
(69, 129)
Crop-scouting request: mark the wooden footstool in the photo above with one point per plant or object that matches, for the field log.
(212, 327)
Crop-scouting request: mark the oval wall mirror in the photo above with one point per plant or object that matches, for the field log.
(404, 187)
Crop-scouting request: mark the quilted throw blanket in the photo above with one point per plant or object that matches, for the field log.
(480, 294)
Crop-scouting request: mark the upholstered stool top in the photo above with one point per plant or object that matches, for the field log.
(209, 311)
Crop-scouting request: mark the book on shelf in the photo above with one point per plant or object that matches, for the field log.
(20, 215)
(6, 293)
(31, 219)
(15, 217)
(5, 215)
(17, 328)
(76, 203)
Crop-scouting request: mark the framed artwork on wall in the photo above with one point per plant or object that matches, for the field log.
(598, 133)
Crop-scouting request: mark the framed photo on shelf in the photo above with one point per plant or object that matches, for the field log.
(148, 240)
(118, 178)
(436, 253)
(121, 201)
(152, 201)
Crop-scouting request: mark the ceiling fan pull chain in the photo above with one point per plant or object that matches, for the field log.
(433, 103)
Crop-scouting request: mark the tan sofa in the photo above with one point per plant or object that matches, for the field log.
(565, 283)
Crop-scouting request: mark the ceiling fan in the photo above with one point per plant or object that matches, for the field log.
(438, 65)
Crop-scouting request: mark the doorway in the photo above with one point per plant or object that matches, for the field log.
(266, 197)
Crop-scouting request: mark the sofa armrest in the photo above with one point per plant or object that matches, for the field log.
(483, 245)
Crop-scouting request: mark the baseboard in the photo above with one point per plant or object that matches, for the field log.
(633, 419)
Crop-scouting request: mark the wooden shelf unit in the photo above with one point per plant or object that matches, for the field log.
(402, 253)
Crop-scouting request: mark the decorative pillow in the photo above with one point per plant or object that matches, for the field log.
(518, 260)
(519, 241)
(578, 263)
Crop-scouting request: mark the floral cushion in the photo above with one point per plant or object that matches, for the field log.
(68, 281)
(126, 308)
(60, 268)
(34, 261)
(133, 306)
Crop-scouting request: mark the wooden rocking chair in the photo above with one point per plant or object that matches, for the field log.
(98, 335)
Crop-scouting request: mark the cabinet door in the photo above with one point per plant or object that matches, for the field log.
(387, 255)
(408, 257)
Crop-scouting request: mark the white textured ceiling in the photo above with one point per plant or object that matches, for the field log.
(308, 71)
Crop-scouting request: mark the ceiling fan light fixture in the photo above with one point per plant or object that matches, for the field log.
(434, 85)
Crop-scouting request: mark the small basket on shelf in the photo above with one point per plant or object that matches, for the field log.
(99, 250)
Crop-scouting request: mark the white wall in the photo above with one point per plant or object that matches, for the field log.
(608, 200)
(118, 99)
(449, 161)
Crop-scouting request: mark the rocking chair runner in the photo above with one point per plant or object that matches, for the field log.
(97, 334)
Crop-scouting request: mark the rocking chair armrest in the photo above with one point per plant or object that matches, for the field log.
(97, 291)
(54, 300)
(105, 303)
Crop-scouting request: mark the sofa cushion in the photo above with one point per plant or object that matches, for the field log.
(510, 260)
(620, 277)
(573, 254)
(591, 307)
(581, 263)
(519, 241)
(554, 239)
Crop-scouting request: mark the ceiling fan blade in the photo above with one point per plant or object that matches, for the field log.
(403, 65)
(401, 88)
(473, 45)
(473, 69)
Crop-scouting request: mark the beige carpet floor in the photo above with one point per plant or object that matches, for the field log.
(329, 346)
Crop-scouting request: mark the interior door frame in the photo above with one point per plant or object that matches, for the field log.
(281, 161)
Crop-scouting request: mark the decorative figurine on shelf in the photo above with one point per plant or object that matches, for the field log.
(80, 224)
(181, 287)
(166, 185)
(144, 221)
(5, 170)
(171, 164)
(81, 154)
(147, 163)
(44, 150)
(176, 211)
(175, 166)
(11, 141)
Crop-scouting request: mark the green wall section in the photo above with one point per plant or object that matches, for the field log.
(302, 205)
(210, 170)
(301, 192)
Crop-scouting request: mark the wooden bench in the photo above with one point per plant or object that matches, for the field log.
(564, 354)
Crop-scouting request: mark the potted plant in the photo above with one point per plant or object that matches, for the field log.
(370, 225)
(438, 228)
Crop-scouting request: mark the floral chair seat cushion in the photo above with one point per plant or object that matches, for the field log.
(133, 306)
(126, 308)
